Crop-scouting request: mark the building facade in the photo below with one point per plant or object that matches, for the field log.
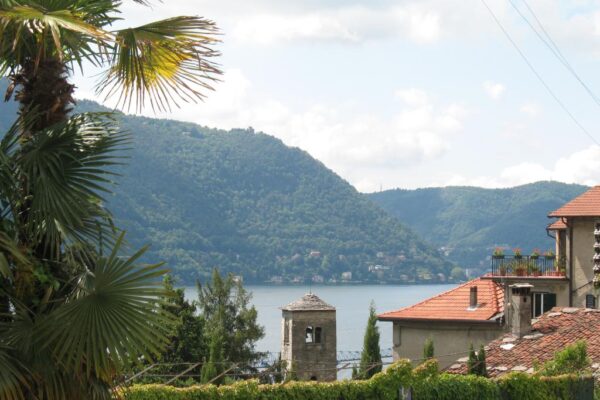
(563, 277)
(308, 339)
(470, 314)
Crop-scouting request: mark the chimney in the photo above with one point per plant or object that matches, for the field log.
(473, 299)
(521, 309)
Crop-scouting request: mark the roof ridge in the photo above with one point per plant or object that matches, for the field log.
(433, 297)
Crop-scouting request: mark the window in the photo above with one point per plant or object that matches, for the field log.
(590, 301)
(318, 335)
(308, 338)
(543, 302)
(286, 331)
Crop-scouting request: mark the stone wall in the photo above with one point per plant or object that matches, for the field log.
(311, 361)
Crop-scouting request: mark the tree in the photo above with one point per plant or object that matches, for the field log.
(481, 364)
(572, 359)
(370, 359)
(74, 311)
(225, 305)
(186, 342)
(472, 361)
(428, 349)
(476, 364)
(214, 367)
(458, 274)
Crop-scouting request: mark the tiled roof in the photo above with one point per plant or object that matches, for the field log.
(585, 205)
(309, 302)
(557, 225)
(454, 304)
(553, 331)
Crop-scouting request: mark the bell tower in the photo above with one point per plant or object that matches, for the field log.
(308, 339)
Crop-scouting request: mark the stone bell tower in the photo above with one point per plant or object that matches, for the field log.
(308, 339)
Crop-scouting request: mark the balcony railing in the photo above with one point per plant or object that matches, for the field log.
(531, 266)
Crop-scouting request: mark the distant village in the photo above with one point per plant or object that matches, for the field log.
(520, 313)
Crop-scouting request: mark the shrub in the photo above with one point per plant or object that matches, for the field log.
(426, 381)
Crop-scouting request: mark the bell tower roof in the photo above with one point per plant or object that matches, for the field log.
(309, 302)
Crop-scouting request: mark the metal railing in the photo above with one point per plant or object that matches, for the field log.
(531, 266)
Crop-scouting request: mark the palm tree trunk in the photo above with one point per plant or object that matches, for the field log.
(44, 93)
(46, 98)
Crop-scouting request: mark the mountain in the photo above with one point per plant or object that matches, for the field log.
(246, 203)
(469, 221)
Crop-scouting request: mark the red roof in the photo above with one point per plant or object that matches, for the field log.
(553, 331)
(454, 304)
(557, 225)
(585, 205)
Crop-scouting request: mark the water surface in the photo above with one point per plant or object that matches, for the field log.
(351, 303)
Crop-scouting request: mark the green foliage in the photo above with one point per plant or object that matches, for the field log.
(426, 382)
(370, 358)
(244, 202)
(481, 364)
(472, 362)
(232, 329)
(428, 349)
(470, 221)
(572, 359)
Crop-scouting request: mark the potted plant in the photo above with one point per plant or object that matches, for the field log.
(534, 269)
(517, 253)
(549, 254)
(498, 253)
(535, 254)
(502, 269)
(520, 269)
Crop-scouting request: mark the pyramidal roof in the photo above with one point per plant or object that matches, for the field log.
(308, 302)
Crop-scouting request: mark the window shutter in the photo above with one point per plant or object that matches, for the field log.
(590, 301)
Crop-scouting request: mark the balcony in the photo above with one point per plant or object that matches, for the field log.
(519, 267)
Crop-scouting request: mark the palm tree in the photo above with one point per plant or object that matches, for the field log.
(73, 311)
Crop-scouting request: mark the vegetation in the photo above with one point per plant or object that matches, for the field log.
(425, 381)
(370, 358)
(428, 349)
(73, 312)
(572, 359)
(470, 222)
(244, 202)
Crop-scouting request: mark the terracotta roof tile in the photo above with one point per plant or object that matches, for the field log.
(557, 225)
(454, 304)
(551, 333)
(585, 205)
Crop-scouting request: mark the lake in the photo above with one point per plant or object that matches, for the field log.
(351, 302)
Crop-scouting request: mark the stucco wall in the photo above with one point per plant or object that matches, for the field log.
(310, 360)
(451, 340)
(582, 254)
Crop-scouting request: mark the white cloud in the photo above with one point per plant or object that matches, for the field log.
(531, 109)
(357, 144)
(412, 96)
(580, 167)
(493, 89)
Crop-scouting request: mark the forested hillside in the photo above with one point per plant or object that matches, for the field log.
(246, 203)
(471, 221)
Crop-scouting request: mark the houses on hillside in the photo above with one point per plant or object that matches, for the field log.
(518, 288)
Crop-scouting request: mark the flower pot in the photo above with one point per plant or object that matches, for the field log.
(498, 257)
(520, 272)
(536, 273)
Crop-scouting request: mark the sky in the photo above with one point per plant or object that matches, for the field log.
(406, 94)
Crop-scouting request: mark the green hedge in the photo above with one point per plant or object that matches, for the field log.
(426, 382)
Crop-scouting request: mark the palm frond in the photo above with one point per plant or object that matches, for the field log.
(33, 31)
(68, 167)
(162, 63)
(13, 376)
(112, 317)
